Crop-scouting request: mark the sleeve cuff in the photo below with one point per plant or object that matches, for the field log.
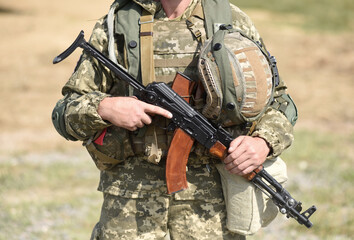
(82, 119)
(272, 142)
(276, 130)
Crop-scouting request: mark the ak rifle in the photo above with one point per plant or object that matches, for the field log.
(215, 138)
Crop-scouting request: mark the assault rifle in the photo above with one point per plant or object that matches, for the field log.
(215, 138)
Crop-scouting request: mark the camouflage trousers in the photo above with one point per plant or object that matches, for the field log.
(137, 207)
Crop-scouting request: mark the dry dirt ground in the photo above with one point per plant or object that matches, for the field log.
(33, 32)
(318, 68)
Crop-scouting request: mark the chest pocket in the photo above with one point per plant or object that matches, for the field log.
(175, 50)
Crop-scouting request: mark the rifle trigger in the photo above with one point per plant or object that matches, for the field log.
(170, 127)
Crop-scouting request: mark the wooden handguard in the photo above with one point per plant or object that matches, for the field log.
(220, 151)
(181, 143)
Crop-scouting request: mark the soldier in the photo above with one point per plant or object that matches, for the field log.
(127, 138)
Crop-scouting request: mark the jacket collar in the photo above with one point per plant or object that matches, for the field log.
(151, 6)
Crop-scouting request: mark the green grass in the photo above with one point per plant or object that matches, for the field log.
(324, 15)
(320, 173)
(51, 197)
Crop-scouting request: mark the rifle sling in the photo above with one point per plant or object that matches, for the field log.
(146, 48)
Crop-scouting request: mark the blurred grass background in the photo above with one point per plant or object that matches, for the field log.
(48, 185)
(324, 15)
(49, 197)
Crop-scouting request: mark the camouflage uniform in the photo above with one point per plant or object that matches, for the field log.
(136, 205)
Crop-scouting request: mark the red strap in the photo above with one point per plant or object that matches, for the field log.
(100, 138)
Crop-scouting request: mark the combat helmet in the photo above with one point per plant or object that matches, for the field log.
(237, 77)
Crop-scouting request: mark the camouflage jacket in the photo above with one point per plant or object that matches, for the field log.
(91, 82)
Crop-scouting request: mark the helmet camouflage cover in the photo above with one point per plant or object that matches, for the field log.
(236, 76)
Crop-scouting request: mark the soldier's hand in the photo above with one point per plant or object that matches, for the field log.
(129, 112)
(246, 154)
